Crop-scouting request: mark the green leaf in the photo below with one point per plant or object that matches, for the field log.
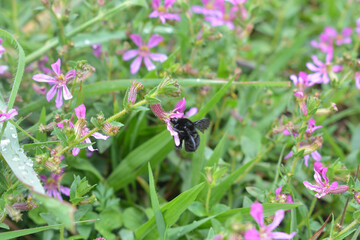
(78, 189)
(19, 233)
(219, 190)
(110, 219)
(198, 209)
(84, 145)
(61, 136)
(20, 67)
(20, 164)
(172, 211)
(160, 223)
(217, 153)
(42, 120)
(63, 211)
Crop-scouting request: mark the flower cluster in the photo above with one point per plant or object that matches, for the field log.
(162, 11)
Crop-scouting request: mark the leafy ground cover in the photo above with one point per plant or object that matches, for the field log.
(181, 119)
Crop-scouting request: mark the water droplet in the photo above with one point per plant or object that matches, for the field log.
(87, 41)
(13, 135)
(21, 150)
(30, 164)
(42, 146)
(5, 142)
(21, 167)
(24, 172)
(198, 80)
(15, 159)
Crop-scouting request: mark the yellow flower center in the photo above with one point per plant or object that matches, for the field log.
(50, 180)
(209, 6)
(161, 9)
(144, 48)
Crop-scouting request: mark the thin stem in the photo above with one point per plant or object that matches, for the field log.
(351, 225)
(208, 200)
(27, 134)
(60, 26)
(62, 233)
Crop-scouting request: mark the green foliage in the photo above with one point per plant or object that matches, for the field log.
(79, 188)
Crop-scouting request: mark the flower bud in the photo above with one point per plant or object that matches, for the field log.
(79, 125)
(49, 164)
(133, 91)
(85, 72)
(110, 129)
(339, 189)
(13, 213)
(169, 87)
(317, 143)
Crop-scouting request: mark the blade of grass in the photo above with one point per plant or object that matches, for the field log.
(160, 223)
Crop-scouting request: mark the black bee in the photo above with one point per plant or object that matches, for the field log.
(187, 131)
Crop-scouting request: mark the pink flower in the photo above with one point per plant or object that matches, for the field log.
(358, 27)
(343, 38)
(357, 80)
(321, 69)
(162, 11)
(280, 195)
(41, 65)
(239, 5)
(80, 127)
(322, 188)
(59, 83)
(311, 128)
(266, 232)
(97, 50)
(325, 44)
(177, 112)
(318, 166)
(210, 7)
(4, 116)
(221, 18)
(144, 53)
(52, 186)
(3, 68)
(133, 91)
(300, 82)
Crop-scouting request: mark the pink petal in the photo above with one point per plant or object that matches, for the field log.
(75, 151)
(149, 65)
(192, 111)
(99, 136)
(323, 172)
(80, 111)
(70, 75)
(294, 78)
(346, 32)
(67, 93)
(312, 67)
(135, 65)
(136, 39)
(154, 40)
(306, 160)
(65, 190)
(56, 67)
(155, 4)
(154, 14)
(281, 235)
(257, 213)
(130, 54)
(316, 156)
(172, 16)
(279, 216)
(158, 57)
(59, 99)
(252, 234)
(289, 155)
(43, 78)
(278, 191)
(180, 106)
(51, 93)
(312, 187)
(318, 179)
(337, 68)
(317, 61)
(168, 3)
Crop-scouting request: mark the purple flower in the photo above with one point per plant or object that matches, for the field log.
(162, 11)
(221, 17)
(343, 38)
(177, 112)
(239, 5)
(311, 128)
(279, 195)
(318, 166)
(300, 82)
(4, 116)
(144, 53)
(325, 43)
(81, 129)
(3, 68)
(210, 7)
(59, 83)
(266, 232)
(52, 186)
(2, 49)
(315, 155)
(322, 188)
(357, 197)
(357, 80)
(358, 27)
(97, 50)
(321, 69)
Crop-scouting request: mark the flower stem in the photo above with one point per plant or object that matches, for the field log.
(208, 200)
(14, 17)
(351, 225)
(60, 25)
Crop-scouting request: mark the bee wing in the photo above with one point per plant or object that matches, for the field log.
(202, 124)
(192, 142)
